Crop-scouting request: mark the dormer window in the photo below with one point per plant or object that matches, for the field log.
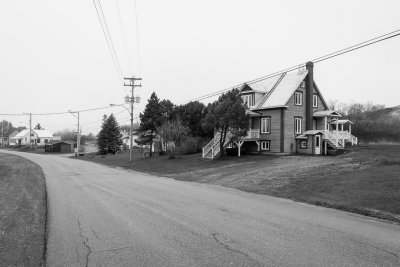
(248, 100)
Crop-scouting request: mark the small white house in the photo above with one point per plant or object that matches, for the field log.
(126, 139)
(35, 137)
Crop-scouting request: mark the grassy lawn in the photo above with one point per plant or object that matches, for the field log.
(365, 180)
(22, 213)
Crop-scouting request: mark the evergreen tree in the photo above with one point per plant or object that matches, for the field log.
(109, 137)
(150, 120)
(227, 114)
(39, 127)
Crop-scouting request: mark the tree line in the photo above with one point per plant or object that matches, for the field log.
(372, 122)
(181, 129)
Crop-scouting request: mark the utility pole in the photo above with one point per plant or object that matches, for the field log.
(2, 133)
(132, 100)
(30, 129)
(78, 135)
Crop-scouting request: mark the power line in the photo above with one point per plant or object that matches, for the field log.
(137, 38)
(109, 34)
(109, 41)
(123, 35)
(60, 113)
(319, 59)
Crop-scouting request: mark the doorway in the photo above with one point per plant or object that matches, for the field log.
(317, 150)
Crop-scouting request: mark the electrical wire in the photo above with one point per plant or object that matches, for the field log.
(60, 113)
(137, 38)
(109, 35)
(316, 60)
(123, 36)
(108, 40)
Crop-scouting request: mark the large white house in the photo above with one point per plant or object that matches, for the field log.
(34, 137)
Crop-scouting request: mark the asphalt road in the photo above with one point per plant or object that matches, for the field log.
(100, 216)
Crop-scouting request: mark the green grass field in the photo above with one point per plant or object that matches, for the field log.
(364, 180)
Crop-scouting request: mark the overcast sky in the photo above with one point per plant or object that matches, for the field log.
(54, 57)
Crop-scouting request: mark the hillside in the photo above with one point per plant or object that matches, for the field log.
(381, 125)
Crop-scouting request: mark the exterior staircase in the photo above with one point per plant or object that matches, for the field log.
(338, 139)
(212, 149)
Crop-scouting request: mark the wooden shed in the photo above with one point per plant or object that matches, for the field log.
(60, 147)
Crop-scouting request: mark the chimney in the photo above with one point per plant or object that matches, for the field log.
(309, 95)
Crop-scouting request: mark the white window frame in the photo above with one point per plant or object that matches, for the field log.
(327, 126)
(298, 98)
(265, 125)
(297, 125)
(303, 143)
(265, 145)
(315, 101)
(248, 99)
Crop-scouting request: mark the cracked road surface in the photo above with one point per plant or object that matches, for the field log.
(100, 216)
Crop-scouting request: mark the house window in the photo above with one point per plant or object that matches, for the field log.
(248, 100)
(266, 125)
(315, 101)
(303, 144)
(25, 139)
(265, 145)
(38, 141)
(32, 134)
(46, 141)
(303, 84)
(297, 125)
(327, 126)
(298, 98)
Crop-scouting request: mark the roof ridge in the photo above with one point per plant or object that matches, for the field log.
(272, 89)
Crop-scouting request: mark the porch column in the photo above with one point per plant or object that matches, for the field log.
(326, 121)
(239, 145)
(337, 125)
(325, 148)
(349, 128)
(258, 146)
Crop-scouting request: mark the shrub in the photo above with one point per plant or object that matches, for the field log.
(190, 145)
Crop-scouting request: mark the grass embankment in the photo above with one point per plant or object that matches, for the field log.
(23, 212)
(363, 180)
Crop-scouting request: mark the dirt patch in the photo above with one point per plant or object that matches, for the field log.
(23, 212)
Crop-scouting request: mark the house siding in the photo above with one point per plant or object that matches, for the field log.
(290, 114)
(275, 135)
(310, 145)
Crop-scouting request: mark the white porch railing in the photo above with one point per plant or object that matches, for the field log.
(347, 137)
(252, 134)
(213, 147)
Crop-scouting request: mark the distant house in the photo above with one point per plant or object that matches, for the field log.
(288, 115)
(34, 137)
(126, 139)
(60, 146)
(12, 141)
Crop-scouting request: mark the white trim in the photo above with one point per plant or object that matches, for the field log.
(315, 101)
(298, 98)
(265, 125)
(297, 125)
(265, 145)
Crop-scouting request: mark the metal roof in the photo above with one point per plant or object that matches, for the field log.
(341, 121)
(323, 113)
(310, 132)
(283, 90)
(39, 133)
